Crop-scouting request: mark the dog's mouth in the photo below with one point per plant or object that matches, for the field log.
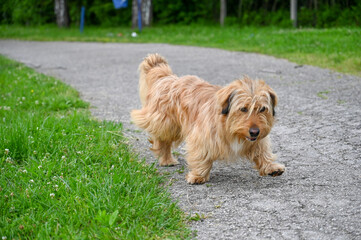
(251, 139)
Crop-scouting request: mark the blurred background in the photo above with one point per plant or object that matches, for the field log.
(310, 13)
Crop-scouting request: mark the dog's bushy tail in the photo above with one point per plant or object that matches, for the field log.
(153, 67)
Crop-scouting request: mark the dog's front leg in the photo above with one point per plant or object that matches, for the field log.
(199, 170)
(265, 164)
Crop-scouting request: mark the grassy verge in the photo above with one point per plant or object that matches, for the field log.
(338, 49)
(64, 175)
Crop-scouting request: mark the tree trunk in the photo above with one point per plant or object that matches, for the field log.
(223, 12)
(239, 12)
(274, 6)
(294, 12)
(61, 13)
(315, 13)
(134, 14)
(147, 13)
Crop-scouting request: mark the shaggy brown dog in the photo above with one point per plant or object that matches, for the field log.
(223, 123)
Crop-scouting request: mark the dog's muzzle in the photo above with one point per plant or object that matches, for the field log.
(253, 132)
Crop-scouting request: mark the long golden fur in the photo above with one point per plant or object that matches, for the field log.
(216, 123)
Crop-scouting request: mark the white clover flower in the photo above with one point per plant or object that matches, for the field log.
(36, 102)
(8, 160)
(48, 183)
(4, 238)
(40, 166)
(25, 171)
(52, 195)
(31, 181)
(63, 157)
(7, 151)
(56, 186)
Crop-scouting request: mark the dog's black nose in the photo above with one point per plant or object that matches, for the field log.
(254, 132)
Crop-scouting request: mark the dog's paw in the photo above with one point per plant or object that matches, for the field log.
(195, 179)
(276, 173)
(275, 169)
(168, 162)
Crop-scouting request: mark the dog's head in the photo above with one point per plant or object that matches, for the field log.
(248, 108)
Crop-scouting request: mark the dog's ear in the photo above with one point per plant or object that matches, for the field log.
(227, 106)
(225, 96)
(274, 100)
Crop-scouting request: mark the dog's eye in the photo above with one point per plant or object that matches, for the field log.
(244, 109)
(262, 109)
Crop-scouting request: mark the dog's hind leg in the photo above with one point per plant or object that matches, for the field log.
(162, 150)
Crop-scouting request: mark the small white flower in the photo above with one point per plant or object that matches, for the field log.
(24, 171)
(36, 102)
(23, 98)
(35, 152)
(40, 166)
(63, 157)
(31, 181)
(48, 183)
(52, 195)
(56, 186)
(8, 160)
(4, 238)
(7, 151)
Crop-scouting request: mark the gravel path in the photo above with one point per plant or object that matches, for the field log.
(317, 136)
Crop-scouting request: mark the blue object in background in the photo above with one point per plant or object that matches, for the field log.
(140, 15)
(82, 16)
(120, 3)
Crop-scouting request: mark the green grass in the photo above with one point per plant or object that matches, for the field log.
(338, 49)
(64, 175)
